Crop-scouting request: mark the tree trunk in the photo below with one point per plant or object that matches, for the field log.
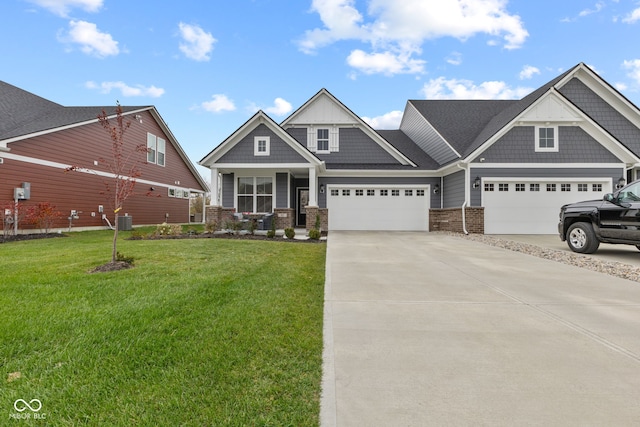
(115, 240)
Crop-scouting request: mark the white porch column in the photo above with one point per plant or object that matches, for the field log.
(215, 188)
(313, 187)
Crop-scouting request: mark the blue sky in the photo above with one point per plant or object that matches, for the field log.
(209, 65)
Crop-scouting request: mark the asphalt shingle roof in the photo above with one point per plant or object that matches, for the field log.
(23, 113)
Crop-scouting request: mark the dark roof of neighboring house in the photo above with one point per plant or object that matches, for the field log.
(23, 113)
(406, 146)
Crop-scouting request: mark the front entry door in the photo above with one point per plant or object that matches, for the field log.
(301, 213)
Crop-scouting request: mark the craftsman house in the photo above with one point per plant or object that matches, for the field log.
(484, 166)
(40, 139)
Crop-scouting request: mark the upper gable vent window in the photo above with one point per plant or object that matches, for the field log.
(323, 140)
(547, 138)
(261, 146)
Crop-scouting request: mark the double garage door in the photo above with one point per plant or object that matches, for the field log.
(532, 206)
(399, 208)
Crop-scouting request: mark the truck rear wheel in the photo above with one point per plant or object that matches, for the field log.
(582, 239)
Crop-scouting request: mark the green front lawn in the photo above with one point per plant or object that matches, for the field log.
(200, 332)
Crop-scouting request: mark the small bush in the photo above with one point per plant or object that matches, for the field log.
(165, 229)
(314, 234)
(252, 226)
(289, 232)
(137, 235)
(272, 231)
(233, 226)
(211, 226)
(317, 225)
(126, 259)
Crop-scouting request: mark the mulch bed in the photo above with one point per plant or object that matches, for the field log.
(34, 236)
(230, 236)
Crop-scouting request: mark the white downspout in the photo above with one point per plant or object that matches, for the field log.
(466, 192)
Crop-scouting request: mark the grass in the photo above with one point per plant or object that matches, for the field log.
(200, 332)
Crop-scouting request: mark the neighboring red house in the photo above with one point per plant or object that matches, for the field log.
(39, 139)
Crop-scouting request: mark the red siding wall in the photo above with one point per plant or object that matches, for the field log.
(82, 191)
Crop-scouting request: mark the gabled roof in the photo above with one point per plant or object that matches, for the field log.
(353, 118)
(24, 113)
(259, 118)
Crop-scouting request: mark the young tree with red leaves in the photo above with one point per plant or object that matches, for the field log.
(124, 166)
(43, 215)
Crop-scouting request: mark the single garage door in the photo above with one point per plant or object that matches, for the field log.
(401, 208)
(532, 206)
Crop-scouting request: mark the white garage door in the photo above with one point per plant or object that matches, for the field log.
(532, 206)
(400, 208)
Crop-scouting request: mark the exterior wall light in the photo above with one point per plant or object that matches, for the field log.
(322, 188)
(621, 183)
(476, 182)
(436, 189)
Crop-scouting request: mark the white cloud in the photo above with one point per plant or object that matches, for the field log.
(442, 88)
(91, 40)
(597, 8)
(197, 44)
(455, 58)
(219, 104)
(63, 7)
(634, 69)
(632, 17)
(384, 63)
(280, 107)
(126, 90)
(390, 120)
(399, 28)
(528, 72)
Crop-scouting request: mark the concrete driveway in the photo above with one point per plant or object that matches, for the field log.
(429, 330)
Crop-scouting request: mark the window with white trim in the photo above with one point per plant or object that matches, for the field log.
(261, 146)
(395, 192)
(335, 192)
(534, 187)
(503, 187)
(255, 194)
(322, 142)
(420, 193)
(384, 192)
(371, 192)
(583, 187)
(156, 149)
(547, 138)
(359, 192)
(488, 187)
(597, 187)
(551, 187)
(520, 187)
(565, 187)
(346, 192)
(408, 192)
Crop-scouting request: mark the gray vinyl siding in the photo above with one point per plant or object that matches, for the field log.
(282, 190)
(525, 173)
(574, 146)
(355, 147)
(280, 151)
(453, 190)
(227, 190)
(416, 127)
(603, 113)
(432, 181)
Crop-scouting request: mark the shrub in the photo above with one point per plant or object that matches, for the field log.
(314, 234)
(252, 226)
(137, 235)
(210, 226)
(317, 224)
(289, 232)
(43, 215)
(125, 259)
(233, 226)
(165, 229)
(272, 231)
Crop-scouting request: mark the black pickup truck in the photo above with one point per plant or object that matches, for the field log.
(614, 219)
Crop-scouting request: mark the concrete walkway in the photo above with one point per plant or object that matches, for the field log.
(432, 330)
